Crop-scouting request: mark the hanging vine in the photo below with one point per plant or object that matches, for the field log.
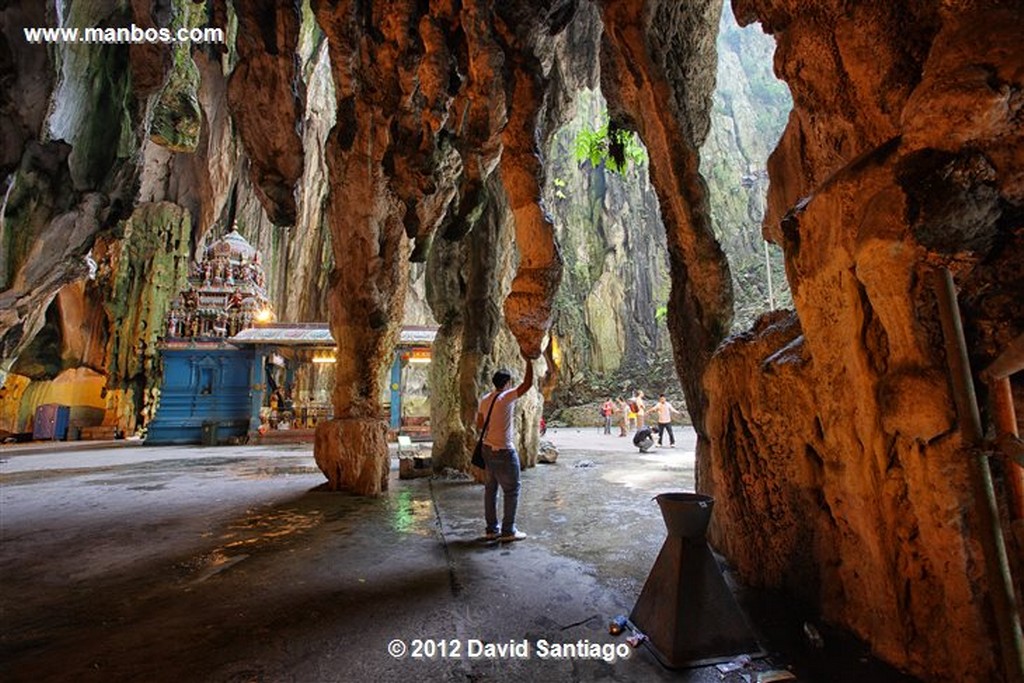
(610, 146)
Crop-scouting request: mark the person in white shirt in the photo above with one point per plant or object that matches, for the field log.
(664, 409)
(500, 457)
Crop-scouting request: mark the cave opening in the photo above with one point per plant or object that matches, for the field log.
(610, 322)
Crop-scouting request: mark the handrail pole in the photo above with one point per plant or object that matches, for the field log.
(997, 565)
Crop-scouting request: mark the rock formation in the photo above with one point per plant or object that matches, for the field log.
(657, 71)
(349, 138)
(609, 228)
(66, 176)
(179, 151)
(750, 110)
(837, 459)
(428, 104)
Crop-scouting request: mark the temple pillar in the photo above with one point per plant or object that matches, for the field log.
(257, 389)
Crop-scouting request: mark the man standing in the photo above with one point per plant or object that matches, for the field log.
(664, 410)
(607, 410)
(500, 455)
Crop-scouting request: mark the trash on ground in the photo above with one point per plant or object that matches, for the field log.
(635, 639)
(585, 463)
(734, 665)
(637, 636)
(618, 625)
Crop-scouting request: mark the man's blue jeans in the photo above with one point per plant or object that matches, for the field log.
(503, 470)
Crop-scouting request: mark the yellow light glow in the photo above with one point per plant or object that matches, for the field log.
(418, 356)
(556, 351)
(264, 315)
(324, 357)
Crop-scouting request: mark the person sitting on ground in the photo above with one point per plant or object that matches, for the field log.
(664, 409)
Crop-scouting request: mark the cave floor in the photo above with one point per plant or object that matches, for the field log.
(232, 564)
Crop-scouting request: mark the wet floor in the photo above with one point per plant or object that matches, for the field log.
(232, 564)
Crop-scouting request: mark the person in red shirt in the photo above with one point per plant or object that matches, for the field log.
(607, 410)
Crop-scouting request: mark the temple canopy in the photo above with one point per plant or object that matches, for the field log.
(319, 334)
(297, 354)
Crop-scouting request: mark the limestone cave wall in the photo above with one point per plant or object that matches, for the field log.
(657, 71)
(612, 238)
(837, 460)
(749, 111)
(90, 265)
(400, 131)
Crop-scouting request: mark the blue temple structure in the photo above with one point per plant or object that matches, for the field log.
(231, 375)
(209, 384)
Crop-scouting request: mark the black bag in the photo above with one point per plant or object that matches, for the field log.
(478, 452)
(478, 455)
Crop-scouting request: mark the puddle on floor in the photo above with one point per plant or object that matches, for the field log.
(270, 525)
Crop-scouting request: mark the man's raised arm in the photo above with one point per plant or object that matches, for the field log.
(527, 380)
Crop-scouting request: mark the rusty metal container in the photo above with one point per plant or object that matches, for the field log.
(686, 609)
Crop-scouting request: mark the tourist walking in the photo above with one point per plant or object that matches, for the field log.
(607, 410)
(664, 409)
(501, 460)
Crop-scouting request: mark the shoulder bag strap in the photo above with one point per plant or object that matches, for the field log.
(488, 420)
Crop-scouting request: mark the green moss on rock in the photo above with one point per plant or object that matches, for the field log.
(149, 267)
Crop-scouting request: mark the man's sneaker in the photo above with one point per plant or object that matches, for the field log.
(517, 536)
(491, 535)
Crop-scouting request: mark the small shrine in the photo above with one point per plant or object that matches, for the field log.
(225, 293)
(231, 375)
(209, 385)
(299, 380)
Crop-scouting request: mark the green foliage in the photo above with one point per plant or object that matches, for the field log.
(609, 145)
